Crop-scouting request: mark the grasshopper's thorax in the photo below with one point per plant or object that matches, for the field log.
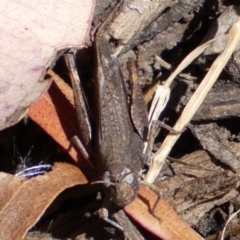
(122, 182)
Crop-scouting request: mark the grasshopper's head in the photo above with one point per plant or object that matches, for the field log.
(122, 182)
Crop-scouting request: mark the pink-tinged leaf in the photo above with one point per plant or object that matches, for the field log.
(31, 33)
(166, 224)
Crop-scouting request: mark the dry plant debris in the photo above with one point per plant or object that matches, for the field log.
(23, 201)
(197, 98)
(199, 185)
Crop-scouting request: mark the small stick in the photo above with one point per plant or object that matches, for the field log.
(169, 67)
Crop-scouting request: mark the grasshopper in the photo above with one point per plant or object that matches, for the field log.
(120, 130)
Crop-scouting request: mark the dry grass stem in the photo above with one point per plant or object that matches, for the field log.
(197, 98)
(162, 94)
(228, 221)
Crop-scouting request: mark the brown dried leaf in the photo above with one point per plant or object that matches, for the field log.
(31, 33)
(23, 201)
(56, 114)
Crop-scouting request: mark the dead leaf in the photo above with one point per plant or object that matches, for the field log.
(31, 33)
(56, 114)
(23, 201)
(166, 224)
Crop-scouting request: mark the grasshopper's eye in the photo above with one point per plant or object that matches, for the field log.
(126, 175)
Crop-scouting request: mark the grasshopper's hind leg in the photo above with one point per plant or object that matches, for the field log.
(81, 109)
